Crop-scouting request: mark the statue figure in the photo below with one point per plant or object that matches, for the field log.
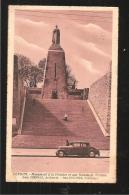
(74, 84)
(56, 36)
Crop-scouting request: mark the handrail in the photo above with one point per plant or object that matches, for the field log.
(44, 76)
(22, 112)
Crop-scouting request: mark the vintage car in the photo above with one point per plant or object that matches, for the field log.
(77, 149)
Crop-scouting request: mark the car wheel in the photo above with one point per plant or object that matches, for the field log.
(98, 155)
(60, 153)
(91, 154)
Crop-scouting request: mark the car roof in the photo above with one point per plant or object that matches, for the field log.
(79, 142)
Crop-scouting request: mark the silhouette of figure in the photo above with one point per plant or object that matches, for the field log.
(67, 143)
(65, 117)
(56, 36)
(73, 86)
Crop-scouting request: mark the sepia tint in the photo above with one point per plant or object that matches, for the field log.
(62, 94)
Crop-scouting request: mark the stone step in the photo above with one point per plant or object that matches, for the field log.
(50, 114)
(46, 133)
(62, 103)
(55, 117)
(59, 124)
(75, 124)
(51, 118)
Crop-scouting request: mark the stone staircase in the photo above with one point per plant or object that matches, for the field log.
(44, 127)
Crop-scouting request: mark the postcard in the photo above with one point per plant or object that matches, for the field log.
(62, 94)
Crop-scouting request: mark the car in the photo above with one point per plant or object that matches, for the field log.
(77, 149)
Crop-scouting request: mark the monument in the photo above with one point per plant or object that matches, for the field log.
(55, 84)
(56, 36)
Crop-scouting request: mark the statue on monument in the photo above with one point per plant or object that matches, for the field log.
(56, 36)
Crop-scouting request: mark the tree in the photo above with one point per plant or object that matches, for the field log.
(23, 60)
(24, 67)
(71, 80)
(36, 75)
(41, 63)
(25, 73)
(31, 75)
(29, 72)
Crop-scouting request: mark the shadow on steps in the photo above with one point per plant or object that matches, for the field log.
(38, 120)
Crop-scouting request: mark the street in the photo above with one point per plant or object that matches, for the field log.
(55, 164)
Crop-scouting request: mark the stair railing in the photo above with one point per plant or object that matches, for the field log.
(22, 112)
(44, 77)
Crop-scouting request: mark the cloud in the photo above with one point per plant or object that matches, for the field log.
(30, 22)
(23, 42)
(89, 66)
(33, 51)
(92, 47)
(95, 30)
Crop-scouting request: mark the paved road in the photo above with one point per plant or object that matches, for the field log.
(45, 152)
(55, 164)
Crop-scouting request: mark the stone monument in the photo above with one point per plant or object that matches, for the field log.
(56, 36)
(55, 84)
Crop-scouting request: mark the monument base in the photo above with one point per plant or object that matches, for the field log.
(55, 85)
(56, 47)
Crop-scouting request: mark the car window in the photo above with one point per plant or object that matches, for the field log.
(76, 144)
(84, 145)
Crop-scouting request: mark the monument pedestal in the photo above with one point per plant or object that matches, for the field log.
(55, 85)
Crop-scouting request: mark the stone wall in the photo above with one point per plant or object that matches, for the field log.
(34, 92)
(78, 94)
(18, 94)
(74, 97)
(100, 98)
